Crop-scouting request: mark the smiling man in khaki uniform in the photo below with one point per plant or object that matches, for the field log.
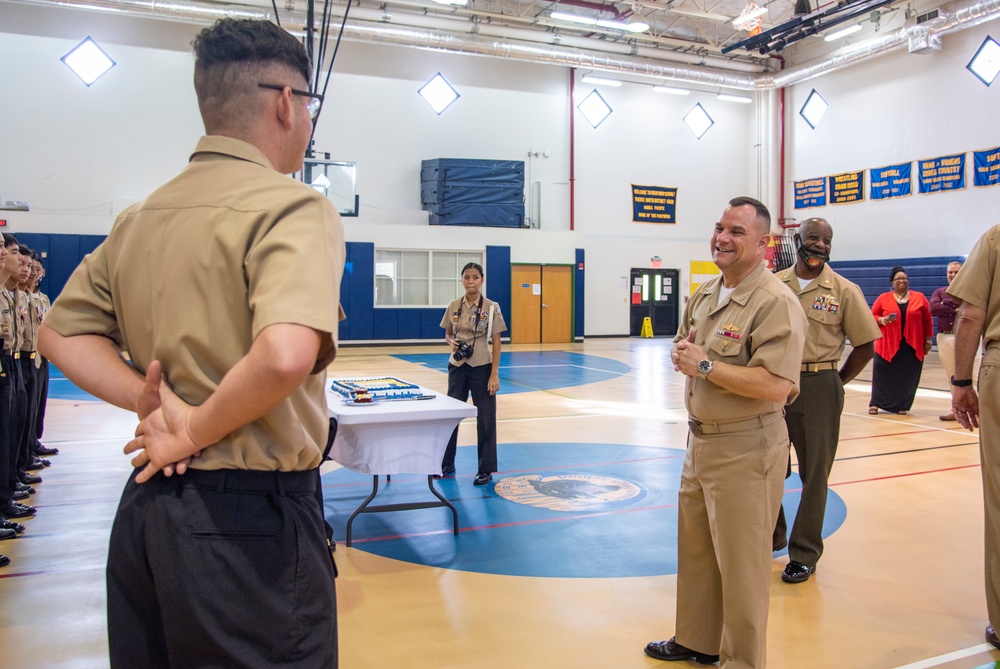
(837, 311)
(227, 280)
(977, 286)
(740, 346)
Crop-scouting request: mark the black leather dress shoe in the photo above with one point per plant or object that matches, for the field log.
(482, 478)
(25, 487)
(38, 463)
(796, 572)
(11, 525)
(7, 534)
(18, 495)
(4, 560)
(991, 636)
(15, 510)
(31, 479)
(671, 651)
(41, 449)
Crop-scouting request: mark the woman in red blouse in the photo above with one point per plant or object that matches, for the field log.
(904, 316)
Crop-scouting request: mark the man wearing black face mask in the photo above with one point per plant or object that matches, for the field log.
(837, 311)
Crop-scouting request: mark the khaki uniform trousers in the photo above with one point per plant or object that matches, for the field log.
(989, 451)
(731, 488)
(946, 352)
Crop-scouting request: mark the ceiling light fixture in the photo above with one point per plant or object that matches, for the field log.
(88, 61)
(734, 98)
(986, 63)
(633, 27)
(843, 32)
(701, 15)
(456, 3)
(573, 18)
(600, 81)
(671, 90)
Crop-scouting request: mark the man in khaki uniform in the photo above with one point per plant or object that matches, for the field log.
(226, 281)
(977, 287)
(836, 310)
(740, 345)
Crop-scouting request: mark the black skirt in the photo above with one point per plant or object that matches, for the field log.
(894, 383)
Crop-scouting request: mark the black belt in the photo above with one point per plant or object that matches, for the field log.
(248, 480)
(700, 427)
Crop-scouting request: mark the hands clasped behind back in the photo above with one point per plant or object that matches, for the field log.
(162, 439)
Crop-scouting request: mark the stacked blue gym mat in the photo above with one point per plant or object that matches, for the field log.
(473, 192)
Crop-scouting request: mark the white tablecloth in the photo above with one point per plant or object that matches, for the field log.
(398, 437)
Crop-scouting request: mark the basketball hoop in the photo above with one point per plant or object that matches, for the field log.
(750, 18)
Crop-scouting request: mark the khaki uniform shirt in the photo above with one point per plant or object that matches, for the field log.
(8, 323)
(192, 275)
(25, 334)
(836, 310)
(467, 323)
(978, 283)
(759, 325)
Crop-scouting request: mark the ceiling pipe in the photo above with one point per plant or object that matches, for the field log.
(965, 14)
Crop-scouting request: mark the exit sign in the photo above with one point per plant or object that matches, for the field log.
(3, 222)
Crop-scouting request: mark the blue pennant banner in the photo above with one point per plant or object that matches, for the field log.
(654, 204)
(987, 167)
(847, 187)
(941, 174)
(810, 193)
(891, 181)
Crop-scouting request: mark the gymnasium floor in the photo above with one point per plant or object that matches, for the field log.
(900, 584)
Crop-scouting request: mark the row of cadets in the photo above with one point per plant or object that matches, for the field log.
(23, 385)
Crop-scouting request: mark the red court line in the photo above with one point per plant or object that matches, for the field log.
(898, 434)
(645, 508)
(518, 523)
(899, 476)
(517, 471)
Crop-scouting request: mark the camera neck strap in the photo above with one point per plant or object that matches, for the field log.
(475, 322)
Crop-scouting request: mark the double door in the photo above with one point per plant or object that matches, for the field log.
(541, 304)
(655, 295)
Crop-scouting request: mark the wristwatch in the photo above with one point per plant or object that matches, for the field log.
(704, 368)
(958, 383)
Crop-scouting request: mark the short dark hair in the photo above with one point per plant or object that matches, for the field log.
(896, 270)
(25, 251)
(232, 55)
(763, 215)
(475, 266)
(10, 240)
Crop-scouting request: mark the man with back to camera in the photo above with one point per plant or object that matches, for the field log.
(218, 555)
(945, 308)
(836, 310)
(739, 344)
(977, 288)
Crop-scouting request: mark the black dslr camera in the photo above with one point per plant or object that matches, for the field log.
(463, 351)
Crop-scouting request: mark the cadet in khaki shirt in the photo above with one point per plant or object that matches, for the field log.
(226, 280)
(978, 287)
(474, 367)
(837, 311)
(740, 345)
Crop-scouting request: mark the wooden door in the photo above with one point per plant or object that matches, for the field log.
(557, 304)
(526, 304)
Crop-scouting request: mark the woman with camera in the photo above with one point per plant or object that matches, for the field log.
(472, 328)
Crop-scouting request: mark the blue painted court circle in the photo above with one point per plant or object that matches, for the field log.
(577, 510)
